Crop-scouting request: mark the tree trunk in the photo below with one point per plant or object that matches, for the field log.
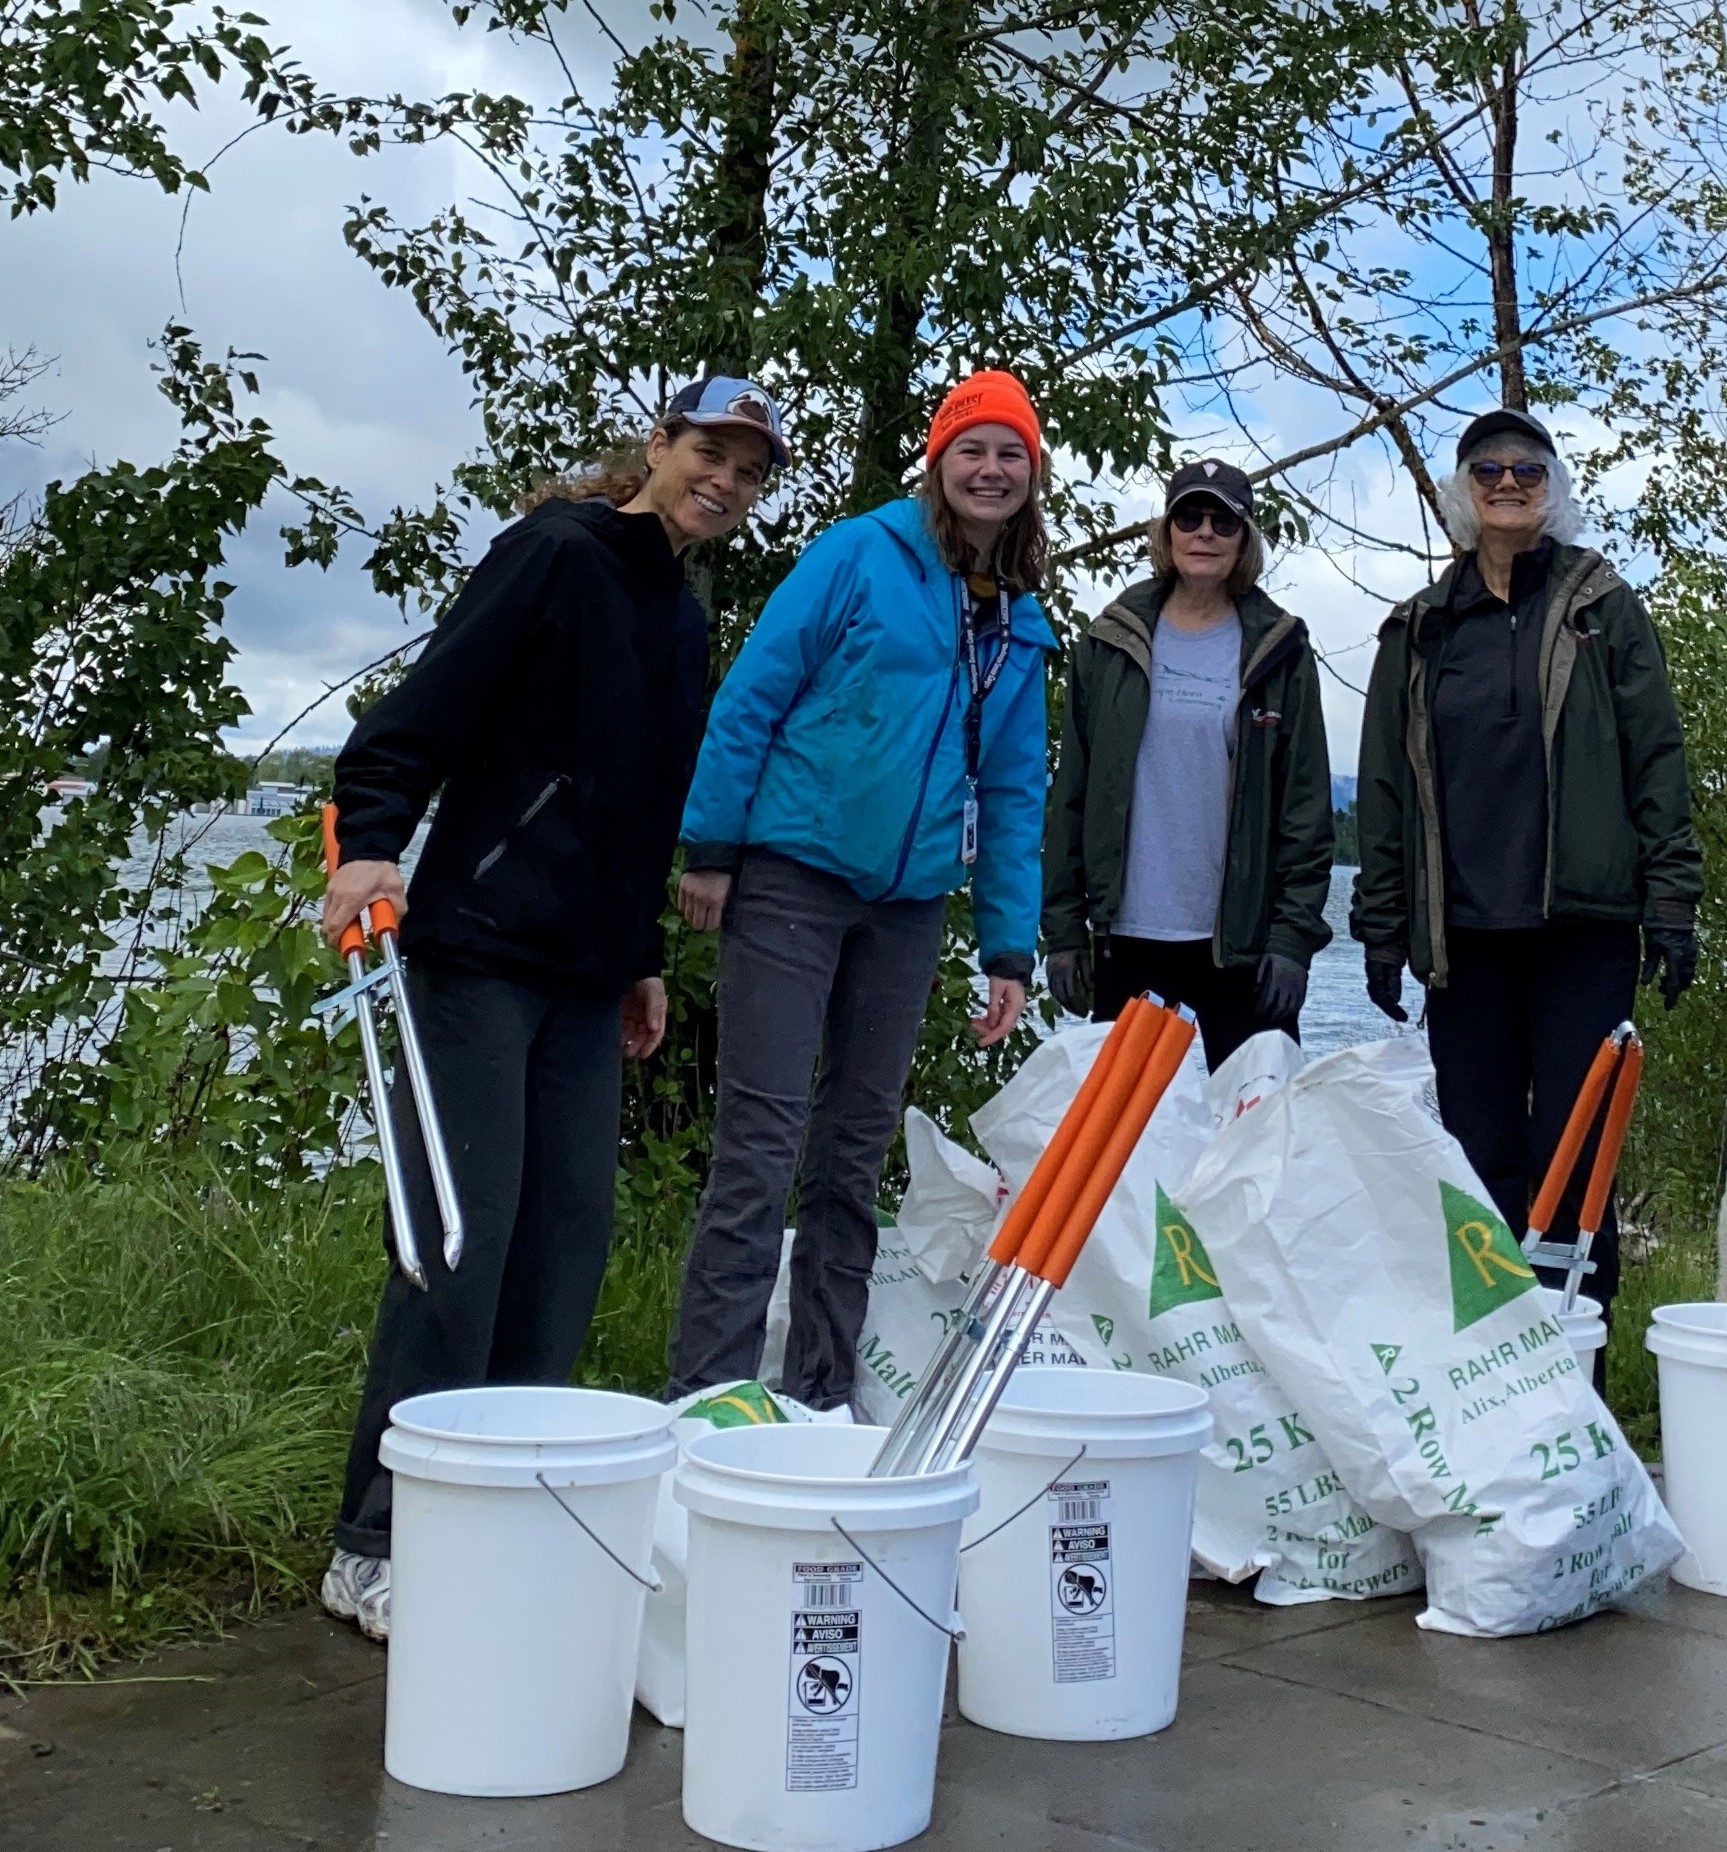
(887, 432)
(740, 238)
(1501, 241)
(739, 243)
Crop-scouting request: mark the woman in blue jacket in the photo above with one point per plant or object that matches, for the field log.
(880, 738)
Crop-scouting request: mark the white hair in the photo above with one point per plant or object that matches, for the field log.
(1562, 519)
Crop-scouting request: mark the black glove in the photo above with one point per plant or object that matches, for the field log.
(1676, 948)
(1385, 985)
(1282, 988)
(1068, 975)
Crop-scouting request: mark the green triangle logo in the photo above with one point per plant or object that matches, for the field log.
(1181, 1270)
(1105, 1328)
(747, 1405)
(1387, 1355)
(1487, 1266)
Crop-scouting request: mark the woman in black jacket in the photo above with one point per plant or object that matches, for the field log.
(558, 707)
(1525, 812)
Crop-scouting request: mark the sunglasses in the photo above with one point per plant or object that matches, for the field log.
(1525, 475)
(1225, 523)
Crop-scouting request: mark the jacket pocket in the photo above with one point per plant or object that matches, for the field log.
(496, 853)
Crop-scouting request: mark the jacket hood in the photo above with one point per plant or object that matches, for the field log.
(907, 520)
(1600, 576)
(1260, 615)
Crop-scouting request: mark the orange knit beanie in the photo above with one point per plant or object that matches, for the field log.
(985, 398)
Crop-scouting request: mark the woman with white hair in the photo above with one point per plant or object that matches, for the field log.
(1524, 810)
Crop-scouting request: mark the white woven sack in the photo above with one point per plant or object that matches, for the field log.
(1365, 1262)
(1142, 1296)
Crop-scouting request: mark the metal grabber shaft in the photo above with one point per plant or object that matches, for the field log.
(924, 1407)
(1152, 1050)
(381, 921)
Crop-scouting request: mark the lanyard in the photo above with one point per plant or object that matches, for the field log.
(981, 682)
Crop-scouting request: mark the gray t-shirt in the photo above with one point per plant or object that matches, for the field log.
(1180, 817)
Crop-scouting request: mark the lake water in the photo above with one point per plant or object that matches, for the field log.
(1337, 1014)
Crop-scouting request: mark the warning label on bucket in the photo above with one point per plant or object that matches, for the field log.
(826, 1670)
(1081, 1577)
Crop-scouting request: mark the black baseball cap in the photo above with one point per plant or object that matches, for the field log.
(1223, 482)
(740, 403)
(1501, 420)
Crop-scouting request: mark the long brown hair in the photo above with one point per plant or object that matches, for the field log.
(619, 476)
(1244, 575)
(1021, 549)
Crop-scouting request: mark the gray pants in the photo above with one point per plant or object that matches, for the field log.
(807, 969)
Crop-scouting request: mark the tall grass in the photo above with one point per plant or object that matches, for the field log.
(179, 1364)
(1679, 1268)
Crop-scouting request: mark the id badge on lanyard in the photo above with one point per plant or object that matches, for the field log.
(981, 684)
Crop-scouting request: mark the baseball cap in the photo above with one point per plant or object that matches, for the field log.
(1223, 482)
(1503, 419)
(737, 402)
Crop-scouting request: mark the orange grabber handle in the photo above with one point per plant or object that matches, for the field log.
(1093, 1135)
(382, 914)
(1031, 1199)
(1166, 1059)
(1571, 1140)
(1619, 1109)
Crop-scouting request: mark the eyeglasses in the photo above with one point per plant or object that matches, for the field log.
(1526, 475)
(1225, 523)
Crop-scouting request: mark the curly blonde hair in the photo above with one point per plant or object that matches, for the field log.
(619, 476)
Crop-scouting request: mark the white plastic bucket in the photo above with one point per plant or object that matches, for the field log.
(813, 1685)
(1075, 1594)
(512, 1634)
(1690, 1346)
(1583, 1325)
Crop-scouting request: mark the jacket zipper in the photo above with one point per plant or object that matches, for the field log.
(489, 859)
(923, 784)
(1511, 690)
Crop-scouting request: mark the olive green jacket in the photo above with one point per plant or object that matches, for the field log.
(1277, 863)
(1620, 845)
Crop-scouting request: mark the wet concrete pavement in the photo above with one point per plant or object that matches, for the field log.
(1333, 1727)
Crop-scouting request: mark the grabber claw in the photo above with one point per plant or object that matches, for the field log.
(388, 979)
(1618, 1061)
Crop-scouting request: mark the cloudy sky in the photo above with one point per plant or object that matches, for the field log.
(356, 387)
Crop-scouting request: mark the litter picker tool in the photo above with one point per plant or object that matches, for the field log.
(1613, 1076)
(387, 979)
(1038, 1242)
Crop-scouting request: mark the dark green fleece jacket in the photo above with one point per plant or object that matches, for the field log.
(1277, 864)
(1620, 845)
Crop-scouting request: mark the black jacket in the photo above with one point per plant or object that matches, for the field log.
(559, 706)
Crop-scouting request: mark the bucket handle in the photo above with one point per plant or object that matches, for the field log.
(954, 1633)
(1060, 1473)
(655, 1587)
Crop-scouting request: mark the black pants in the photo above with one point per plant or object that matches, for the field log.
(807, 970)
(528, 1086)
(1512, 1035)
(1226, 1001)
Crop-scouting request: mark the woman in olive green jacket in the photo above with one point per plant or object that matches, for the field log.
(1188, 850)
(1524, 812)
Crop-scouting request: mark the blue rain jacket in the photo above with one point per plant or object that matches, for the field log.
(838, 736)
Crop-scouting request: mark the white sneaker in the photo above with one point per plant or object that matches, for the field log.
(357, 1588)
